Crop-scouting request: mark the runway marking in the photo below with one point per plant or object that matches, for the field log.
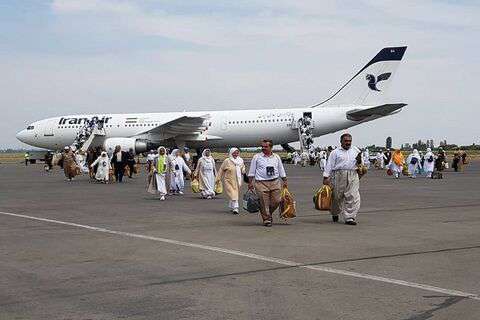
(254, 256)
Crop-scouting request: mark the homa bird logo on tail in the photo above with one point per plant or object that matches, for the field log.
(372, 80)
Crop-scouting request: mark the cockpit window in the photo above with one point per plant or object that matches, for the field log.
(30, 127)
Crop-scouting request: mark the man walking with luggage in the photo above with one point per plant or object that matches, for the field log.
(341, 175)
(267, 169)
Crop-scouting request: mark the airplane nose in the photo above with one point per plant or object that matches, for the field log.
(22, 135)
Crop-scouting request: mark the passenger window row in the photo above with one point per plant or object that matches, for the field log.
(260, 121)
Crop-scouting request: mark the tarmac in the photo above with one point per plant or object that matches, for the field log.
(82, 250)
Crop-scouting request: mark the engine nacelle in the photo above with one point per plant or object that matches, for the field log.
(137, 145)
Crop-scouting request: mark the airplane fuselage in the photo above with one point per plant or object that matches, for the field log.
(242, 128)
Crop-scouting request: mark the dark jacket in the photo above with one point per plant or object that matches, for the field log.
(122, 162)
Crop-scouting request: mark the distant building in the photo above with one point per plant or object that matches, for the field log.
(388, 143)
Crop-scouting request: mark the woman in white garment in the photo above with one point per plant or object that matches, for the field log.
(380, 160)
(206, 173)
(323, 159)
(162, 171)
(103, 169)
(177, 180)
(366, 157)
(429, 163)
(231, 172)
(413, 162)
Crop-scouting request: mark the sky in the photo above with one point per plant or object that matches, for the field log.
(85, 56)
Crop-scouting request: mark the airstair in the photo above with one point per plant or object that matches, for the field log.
(86, 135)
(305, 128)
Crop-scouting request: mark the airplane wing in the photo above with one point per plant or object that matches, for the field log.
(378, 111)
(190, 128)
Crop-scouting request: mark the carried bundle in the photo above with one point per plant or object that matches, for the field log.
(136, 168)
(251, 202)
(195, 185)
(218, 187)
(152, 184)
(405, 170)
(322, 199)
(126, 171)
(361, 170)
(287, 205)
(389, 172)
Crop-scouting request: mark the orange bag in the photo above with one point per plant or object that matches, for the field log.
(323, 198)
(287, 205)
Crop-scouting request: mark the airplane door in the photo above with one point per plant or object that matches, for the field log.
(308, 115)
(224, 125)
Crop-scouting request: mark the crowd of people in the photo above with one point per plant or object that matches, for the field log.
(266, 176)
(416, 162)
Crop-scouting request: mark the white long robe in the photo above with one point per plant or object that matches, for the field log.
(429, 166)
(161, 178)
(103, 168)
(323, 159)
(412, 168)
(207, 171)
(177, 182)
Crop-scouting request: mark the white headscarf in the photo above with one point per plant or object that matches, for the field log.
(158, 150)
(173, 153)
(429, 150)
(415, 153)
(238, 164)
(207, 158)
(103, 154)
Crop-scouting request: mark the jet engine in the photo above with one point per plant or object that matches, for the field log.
(137, 145)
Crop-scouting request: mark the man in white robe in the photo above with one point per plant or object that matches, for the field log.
(341, 174)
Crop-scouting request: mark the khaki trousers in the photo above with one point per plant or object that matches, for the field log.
(269, 193)
(346, 194)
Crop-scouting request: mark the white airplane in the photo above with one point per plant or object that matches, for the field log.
(360, 99)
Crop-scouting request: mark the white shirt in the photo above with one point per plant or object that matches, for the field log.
(266, 168)
(341, 159)
(119, 156)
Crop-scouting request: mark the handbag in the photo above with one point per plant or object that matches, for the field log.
(251, 202)
(195, 185)
(218, 187)
(287, 205)
(322, 199)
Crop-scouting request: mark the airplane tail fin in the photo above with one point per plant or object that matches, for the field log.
(369, 85)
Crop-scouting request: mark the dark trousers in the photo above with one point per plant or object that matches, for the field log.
(131, 166)
(118, 170)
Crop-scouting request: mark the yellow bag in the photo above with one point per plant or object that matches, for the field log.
(287, 205)
(218, 187)
(126, 171)
(195, 184)
(361, 170)
(323, 198)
